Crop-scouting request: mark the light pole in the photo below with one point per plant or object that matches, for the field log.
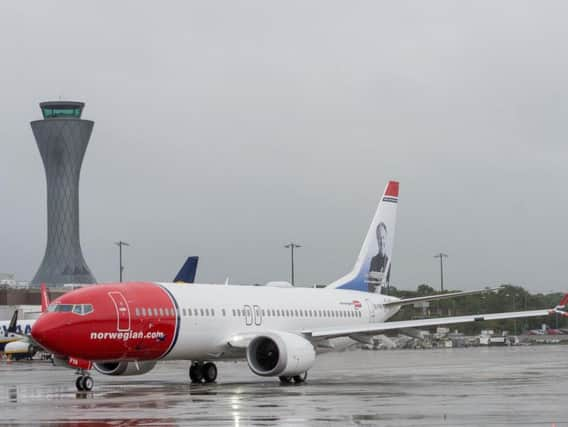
(292, 246)
(514, 296)
(514, 320)
(120, 244)
(441, 256)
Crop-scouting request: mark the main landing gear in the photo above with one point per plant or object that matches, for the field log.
(200, 373)
(296, 379)
(84, 382)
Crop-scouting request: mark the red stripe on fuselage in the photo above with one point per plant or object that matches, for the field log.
(106, 333)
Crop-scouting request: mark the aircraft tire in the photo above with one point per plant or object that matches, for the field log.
(285, 379)
(87, 383)
(79, 383)
(298, 379)
(209, 372)
(196, 373)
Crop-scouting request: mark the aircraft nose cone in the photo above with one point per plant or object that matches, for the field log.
(47, 334)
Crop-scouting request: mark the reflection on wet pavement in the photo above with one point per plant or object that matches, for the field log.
(457, 387)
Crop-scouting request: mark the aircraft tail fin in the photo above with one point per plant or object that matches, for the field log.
(188, 270)
(13, 323)
(372, 268)
(44, 298)
(561, 307)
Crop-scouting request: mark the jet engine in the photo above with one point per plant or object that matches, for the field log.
(123, 368)
(19, 349)
(280, 354)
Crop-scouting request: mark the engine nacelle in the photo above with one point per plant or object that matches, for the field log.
(18, 350)
(124, 368)
(280, 354)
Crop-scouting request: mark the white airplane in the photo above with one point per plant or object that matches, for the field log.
(126, 328)
(11, 342)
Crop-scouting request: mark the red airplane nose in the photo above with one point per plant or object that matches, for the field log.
(47, 333)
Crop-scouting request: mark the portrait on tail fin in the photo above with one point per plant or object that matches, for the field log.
(380, 262)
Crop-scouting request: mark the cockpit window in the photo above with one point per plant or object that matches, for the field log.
(80, 309)
(64, 307)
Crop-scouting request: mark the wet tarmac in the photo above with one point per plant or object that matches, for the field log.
(455, 387)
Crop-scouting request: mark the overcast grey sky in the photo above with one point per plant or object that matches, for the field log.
(226, 129)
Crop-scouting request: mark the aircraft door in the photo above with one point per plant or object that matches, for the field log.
(248, 315)
(372, 314)
(257, 315)
(122, 311)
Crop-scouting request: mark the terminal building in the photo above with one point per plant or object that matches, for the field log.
(62, 137)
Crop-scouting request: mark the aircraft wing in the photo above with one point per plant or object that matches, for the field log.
(410, 301)
(378, 328)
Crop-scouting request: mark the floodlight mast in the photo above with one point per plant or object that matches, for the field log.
(120, 244)
(292, 246)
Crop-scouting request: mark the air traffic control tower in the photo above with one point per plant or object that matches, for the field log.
(62, 138)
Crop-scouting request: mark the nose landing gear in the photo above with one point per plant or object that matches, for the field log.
(202, 372)
(84, 382)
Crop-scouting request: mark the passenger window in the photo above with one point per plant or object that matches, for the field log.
(223, 312)
(273, 312)
(201, 312)
(239, 312)
(184, 312)
(161, 310)
(137, 312)
(263, 313)
(234, 312)
(207, 312)
(212, 312)
(189, 311)
(155, 312)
